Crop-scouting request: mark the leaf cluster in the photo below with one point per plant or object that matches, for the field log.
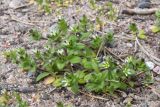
(137, 32)
(6, 97)
(156, 27)
(72, 57)
(45, 4)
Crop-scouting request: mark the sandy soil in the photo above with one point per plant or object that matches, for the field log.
(16, 22)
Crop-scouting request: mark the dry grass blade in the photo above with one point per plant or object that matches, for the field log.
(23, 6)
(24, 22)
(139, 11)
(95, 97)
(117, 57)
(155, 91)
(155, 59)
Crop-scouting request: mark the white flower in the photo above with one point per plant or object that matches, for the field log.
(60, 51)
(66, 43)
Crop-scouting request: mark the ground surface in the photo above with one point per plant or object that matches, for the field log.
(15, 24)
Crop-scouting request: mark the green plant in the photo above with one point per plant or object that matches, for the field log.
(22, 58)
(6, 97)
(92, 4)
(72, 57)
(133, 28)
(45, 4)
(60, 104)
(136, 32)
(108, 10)
(20, 101)
(109, 38)
(47, 7)
(36, 35)
(156, 28)
(112, 11)
(157, 14)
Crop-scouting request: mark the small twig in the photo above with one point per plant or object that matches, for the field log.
(154, 91)
(119, 37)
(140, 73)
(27, 23)
(38, 21)
(123, 55)
(155, 59)
(23, 6)
(135, 47)
(119, 58)
(95, 97)
(123, 37)
(99, 50)
(9, 87)
(139, 11)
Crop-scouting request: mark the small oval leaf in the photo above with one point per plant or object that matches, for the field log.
(49, 80)
(42, 75)
(75, 59)
(155, 29)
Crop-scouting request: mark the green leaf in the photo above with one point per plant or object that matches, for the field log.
(47, 8)
(84, 35)
(96, 82)
(96, 42)
(42, 76)
(60, 64)
(155, 29)
(116, 85)
(80, 75)
(133, 27)
(157, 14)
(62, 25)
(109, 38)
(72, 82)
(88, 77)
(58, 82)
(84, 20)
(20, 102)
(60, 104)
(131, 83)
(75, 87)
(95, 65)
(142, 35)
(87, 64)
(75, 59)
(11, 55)
(35, 34)
(80, 46)
(39, 1)
(92, 4)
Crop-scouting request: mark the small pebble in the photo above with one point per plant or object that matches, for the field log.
(157, 69)
(11, 79)
(15, 3)
(145, 1)
(150, 65)
(129, 45)
(45, 96)
(144, 5)
(127, 100)
(124, 95)
(31, 74)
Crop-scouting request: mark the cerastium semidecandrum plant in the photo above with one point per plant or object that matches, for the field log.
(70, 58)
